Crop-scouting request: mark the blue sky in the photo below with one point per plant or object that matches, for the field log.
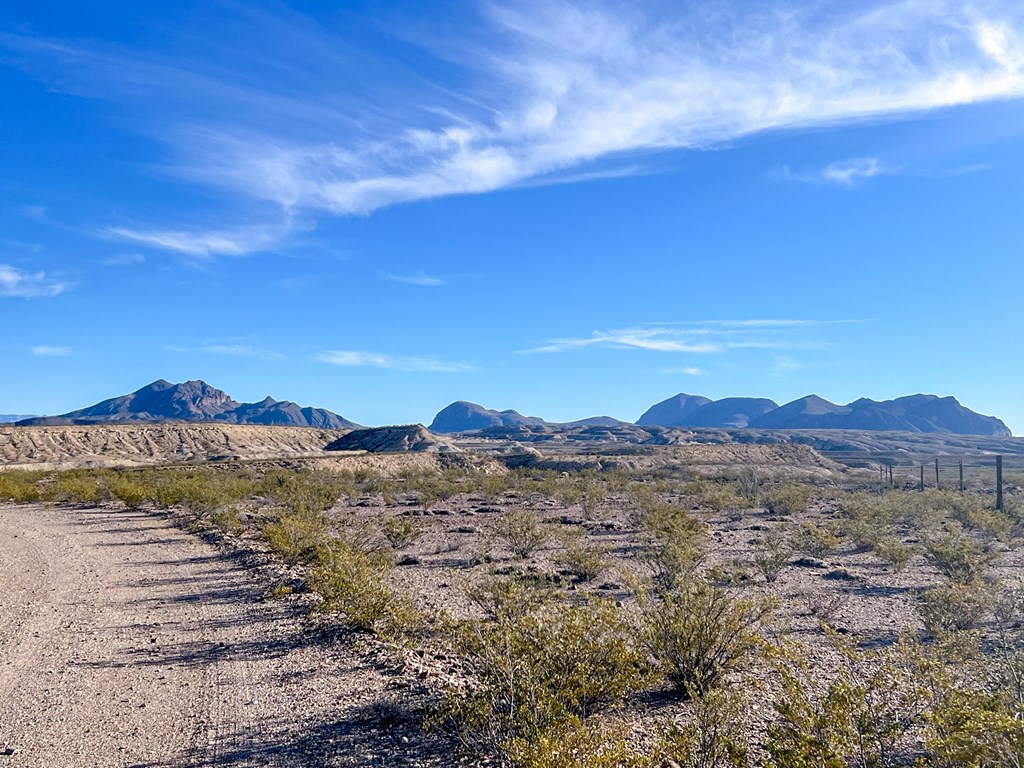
(569, 209)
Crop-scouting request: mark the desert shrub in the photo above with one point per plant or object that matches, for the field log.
(719, 497)
(976, 716)
(713, 737)
(493, 486)
(697, 632)
(522, 532)
(575, 745)
(510, 597)
(306, 492)
(677, 545)
(400, 531)
(228, 519)
(773, 554)
(748, 485)
(76, 487)
(864, 718)
(824, 604)
(788, 499)
(129, 490)
(584, 562)
(353, 583)
(894, 552)
(19, 486)
(538, 675)
(958, 558)
(814, 540)
(299, 537)
(953, 607)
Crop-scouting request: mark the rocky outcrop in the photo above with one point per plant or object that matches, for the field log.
(411, 437)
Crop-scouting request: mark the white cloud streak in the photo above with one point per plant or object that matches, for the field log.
(702, 338)
(547, 90)
(578, 84)
(46, 351)
(201, 244)
(349, 358)
(17, 283)
(417, 278)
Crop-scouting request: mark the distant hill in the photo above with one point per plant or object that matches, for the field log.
(10, 418)
(913, 413)
(672, 412)
(463, 416)
(193, 401)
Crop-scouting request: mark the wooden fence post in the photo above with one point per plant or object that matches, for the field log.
(999, 482)
(936, 473)
(961, 475)
(922, 477)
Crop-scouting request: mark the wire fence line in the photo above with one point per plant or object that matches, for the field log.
(971, 472)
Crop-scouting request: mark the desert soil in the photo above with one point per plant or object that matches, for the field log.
(127, 642)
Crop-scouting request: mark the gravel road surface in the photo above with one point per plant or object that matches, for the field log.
(125, 641)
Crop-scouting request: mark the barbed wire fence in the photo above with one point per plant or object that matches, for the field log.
(989, 473)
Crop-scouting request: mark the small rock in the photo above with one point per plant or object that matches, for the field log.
(809, 562)
(841, 574)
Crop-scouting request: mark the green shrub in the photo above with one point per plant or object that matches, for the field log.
(76, 487)
(677, 545)
(697, 632)
(953, 608)
(128, 490)
(814, 540)
(511, 597)
(713, 737)
(788, 499)
(894, 552)
(958, 558)
(864, 717)
(401, 531)
(353, 583)
(584, 562)
(773, 554)
(522, 532)
(300, 537)
(19, 486)
(538, 675)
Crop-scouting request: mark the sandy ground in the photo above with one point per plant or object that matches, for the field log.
(126, 642)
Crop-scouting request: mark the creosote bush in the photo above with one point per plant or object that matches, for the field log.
(697, 632)
(537, 677)
(773, 553)
(788, 499)
(958, 558)
(953, 607)
(19, 486)
(814, 540)
(522, 532)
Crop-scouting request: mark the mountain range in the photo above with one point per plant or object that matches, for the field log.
(163, 401)
(197, 401)
(914, 413)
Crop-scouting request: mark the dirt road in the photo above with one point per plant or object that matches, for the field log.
(127, 642)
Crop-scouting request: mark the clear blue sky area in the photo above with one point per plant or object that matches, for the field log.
(567, 209)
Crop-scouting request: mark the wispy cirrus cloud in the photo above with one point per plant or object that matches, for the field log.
(50, 351)
(844, 173)
(546, 90)
(351, 358)
(416, 278)
(701, 337)
(689, 370)
(19, 283)
(201, 244)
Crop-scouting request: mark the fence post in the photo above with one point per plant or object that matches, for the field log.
(936, 473)
(890, 475)
(961, 475)
(922, 477)
(999, 482)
